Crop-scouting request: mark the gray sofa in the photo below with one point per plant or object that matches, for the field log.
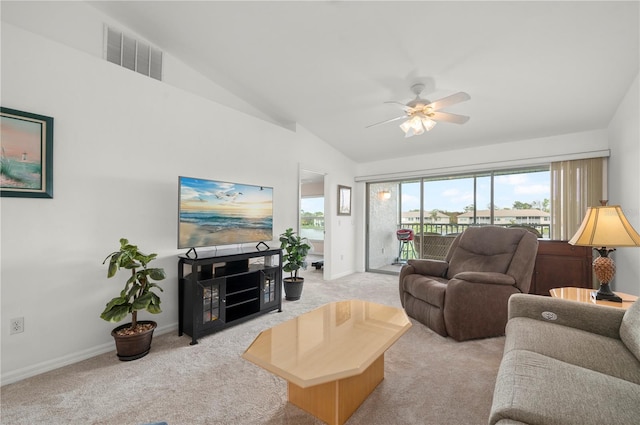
(567, 362)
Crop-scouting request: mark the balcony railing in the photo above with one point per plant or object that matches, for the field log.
(448, 229)
(432, 241)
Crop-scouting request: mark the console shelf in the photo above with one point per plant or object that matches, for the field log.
(225, 287)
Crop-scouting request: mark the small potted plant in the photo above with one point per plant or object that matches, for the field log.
(295, 249)
(133, 340)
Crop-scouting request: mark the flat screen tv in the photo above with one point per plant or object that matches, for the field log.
(214, 213)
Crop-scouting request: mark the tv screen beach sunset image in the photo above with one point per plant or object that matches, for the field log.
(216, 213)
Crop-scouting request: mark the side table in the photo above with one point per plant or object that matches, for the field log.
(584, 295)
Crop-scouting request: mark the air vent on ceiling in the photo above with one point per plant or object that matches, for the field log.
(132, 54)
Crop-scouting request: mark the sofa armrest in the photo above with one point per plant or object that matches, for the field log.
(476, 310)
(588, 317)
(486, 277)
(429, 267)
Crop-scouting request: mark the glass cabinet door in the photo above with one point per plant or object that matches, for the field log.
(269, 288)
(211, 311)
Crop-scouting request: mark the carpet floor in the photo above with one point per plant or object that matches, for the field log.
(428, 379)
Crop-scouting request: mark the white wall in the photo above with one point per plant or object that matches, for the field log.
(312, 190)
(624, 184)
(339, 242)
(502, 155)
(120, 142)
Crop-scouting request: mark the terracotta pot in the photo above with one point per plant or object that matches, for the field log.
(293, 288)
(132, 347)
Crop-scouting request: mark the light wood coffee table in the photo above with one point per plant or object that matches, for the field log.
(584, 295)
(331, 357)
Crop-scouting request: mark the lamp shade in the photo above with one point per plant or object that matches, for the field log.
(605, 226)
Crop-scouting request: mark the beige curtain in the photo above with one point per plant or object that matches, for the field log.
(575, 185)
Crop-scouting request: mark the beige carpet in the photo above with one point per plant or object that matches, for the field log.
(428, 379)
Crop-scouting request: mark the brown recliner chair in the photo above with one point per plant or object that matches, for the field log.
(465, 296)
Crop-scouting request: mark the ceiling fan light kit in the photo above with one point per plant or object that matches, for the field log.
(422, 115)
(417, 125)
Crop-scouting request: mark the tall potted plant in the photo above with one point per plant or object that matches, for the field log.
(295, 250)
(133, 340)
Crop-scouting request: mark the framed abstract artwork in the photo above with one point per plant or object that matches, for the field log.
(26, 154)
(344, 200)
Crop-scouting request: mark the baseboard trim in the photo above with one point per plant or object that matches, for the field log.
(37, 369)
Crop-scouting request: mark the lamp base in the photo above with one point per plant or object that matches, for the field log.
(605, 293)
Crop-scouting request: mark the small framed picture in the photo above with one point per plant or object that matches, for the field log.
(344, 200)
(26, 154)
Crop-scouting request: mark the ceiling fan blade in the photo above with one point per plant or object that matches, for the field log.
(448, 117)
(402, 105)
(387, 121)
(449, 100)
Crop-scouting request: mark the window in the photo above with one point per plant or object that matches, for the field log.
(312, 218)
(439, 208)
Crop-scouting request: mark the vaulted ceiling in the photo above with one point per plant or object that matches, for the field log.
(532, 69)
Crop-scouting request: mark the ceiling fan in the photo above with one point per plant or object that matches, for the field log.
(422, 114)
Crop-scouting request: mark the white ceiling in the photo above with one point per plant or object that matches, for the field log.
(533, 69)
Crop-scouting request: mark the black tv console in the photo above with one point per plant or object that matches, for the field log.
(222, 288)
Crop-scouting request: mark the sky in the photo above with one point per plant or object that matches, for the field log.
(207, 195)
(312, 205)
(456, 194)
(20, 136)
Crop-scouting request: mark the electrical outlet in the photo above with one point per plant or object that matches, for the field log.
(17, 325)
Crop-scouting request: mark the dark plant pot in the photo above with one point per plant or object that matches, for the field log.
(132, 347)
(293, 288)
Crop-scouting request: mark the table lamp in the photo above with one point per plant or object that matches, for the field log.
(604, 228)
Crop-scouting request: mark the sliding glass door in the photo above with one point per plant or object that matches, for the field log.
(419, 218)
